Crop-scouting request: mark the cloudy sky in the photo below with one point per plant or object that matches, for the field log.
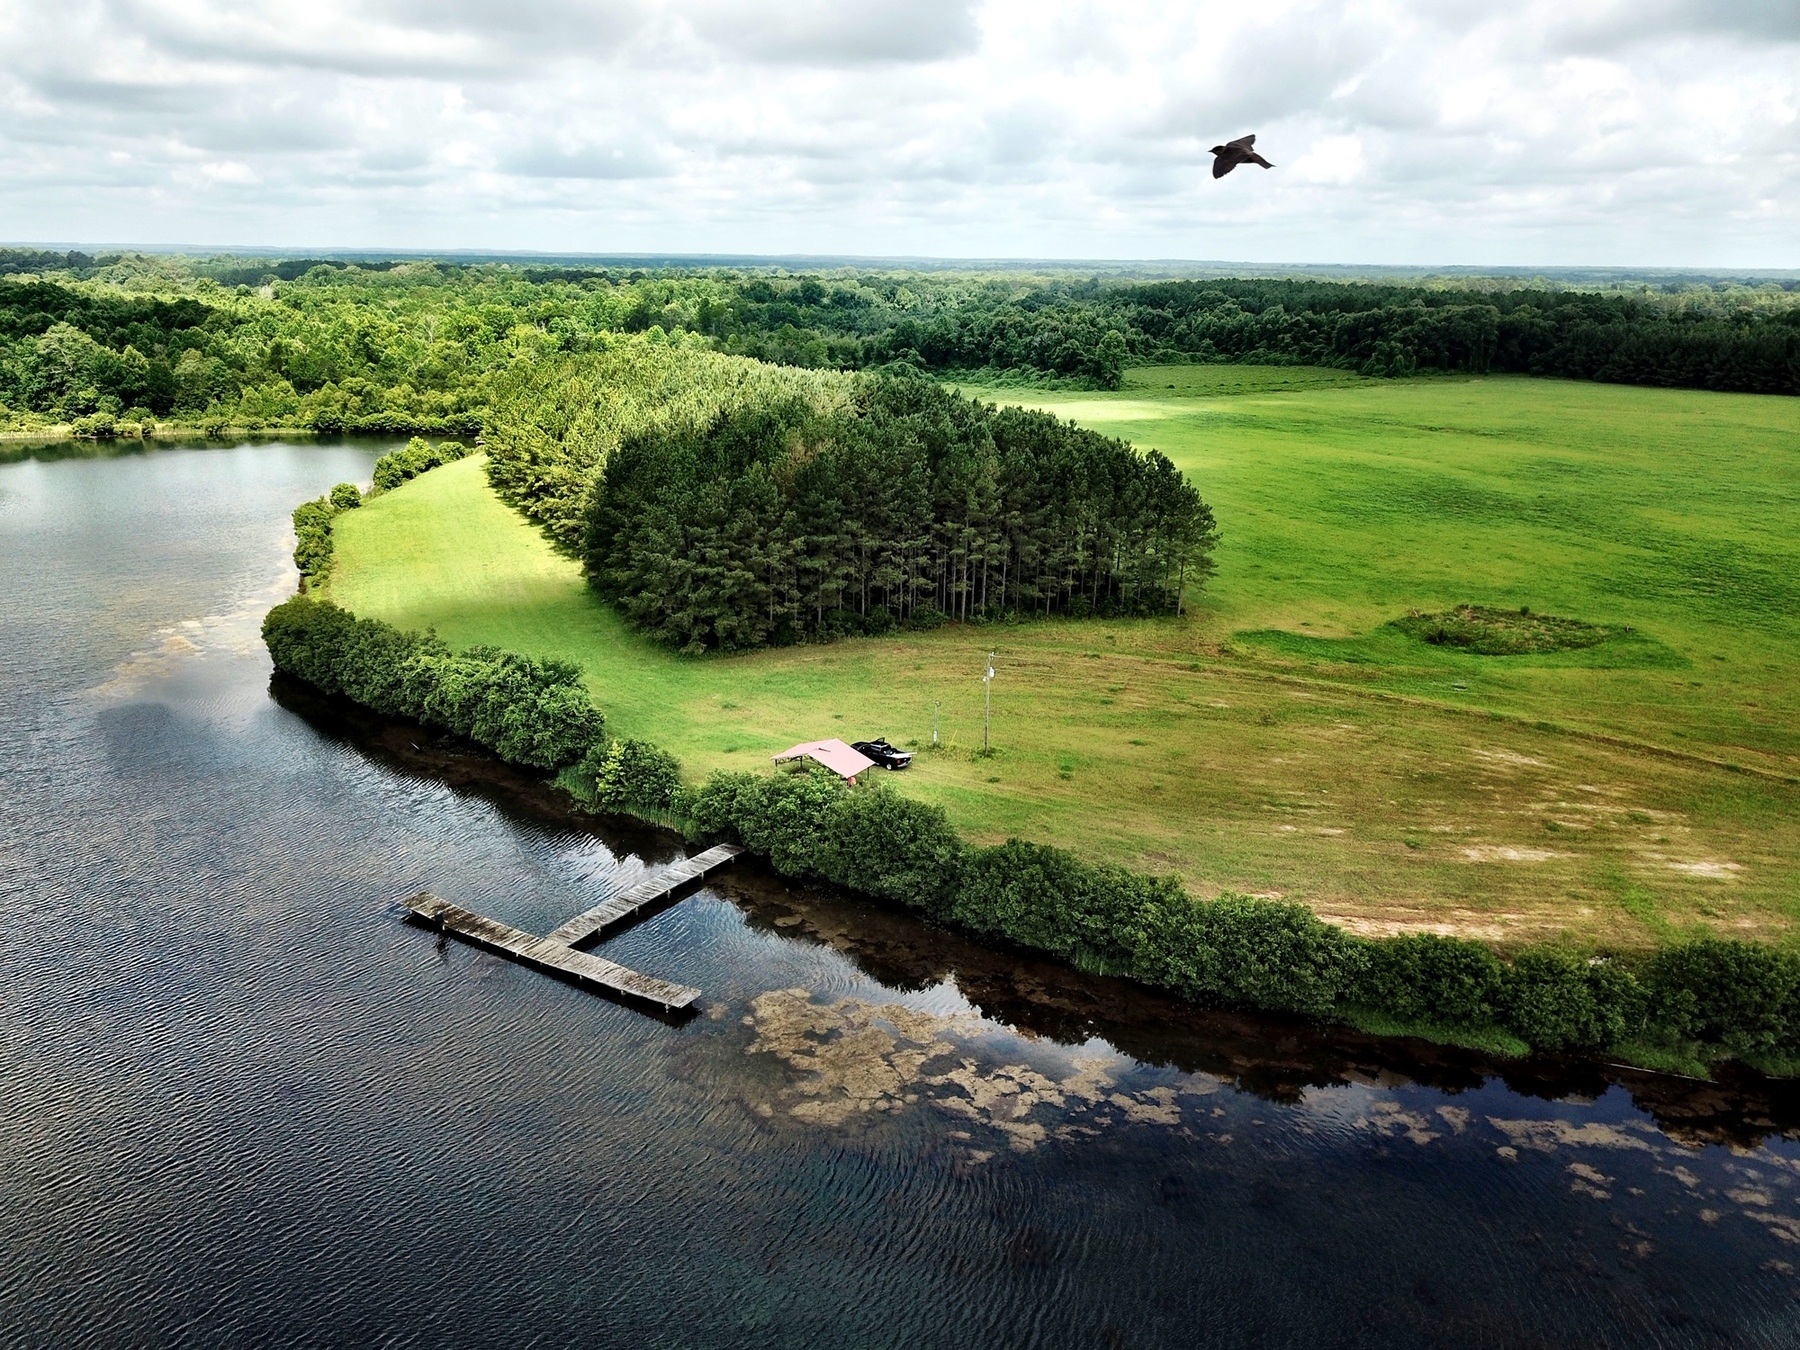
(1628, 132)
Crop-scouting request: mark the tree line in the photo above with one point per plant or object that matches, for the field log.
(1743, 341)
(899, 502)
(417, 346)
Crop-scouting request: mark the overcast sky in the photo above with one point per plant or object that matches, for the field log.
(1642, 132)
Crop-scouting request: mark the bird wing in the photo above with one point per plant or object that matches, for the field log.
(1243, 142)
(1223, 165)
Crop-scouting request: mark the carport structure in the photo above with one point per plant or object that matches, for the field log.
(843, 760)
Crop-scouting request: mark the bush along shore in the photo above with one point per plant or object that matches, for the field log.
(312, 520)
(1680, 1008)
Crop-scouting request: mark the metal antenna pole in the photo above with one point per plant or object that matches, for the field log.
(987, 717)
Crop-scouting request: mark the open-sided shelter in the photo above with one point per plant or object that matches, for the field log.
(843, 760)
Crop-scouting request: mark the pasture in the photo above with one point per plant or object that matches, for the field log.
(1284, 738)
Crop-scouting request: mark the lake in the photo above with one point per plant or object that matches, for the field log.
(247, 1104)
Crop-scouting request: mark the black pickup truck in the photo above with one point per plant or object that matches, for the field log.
(882, 753)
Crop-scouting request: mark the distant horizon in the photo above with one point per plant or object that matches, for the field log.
(1534, 136)
(920, 262)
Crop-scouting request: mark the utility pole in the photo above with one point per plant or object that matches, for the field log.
(987, 719)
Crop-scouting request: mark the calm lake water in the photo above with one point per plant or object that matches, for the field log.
(245, 1104)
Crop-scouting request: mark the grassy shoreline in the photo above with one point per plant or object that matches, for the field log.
(1244, 952)
(1279, 741)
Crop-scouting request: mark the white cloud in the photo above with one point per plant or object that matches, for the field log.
(1332, 159)
(1440, 131)
(223, 171)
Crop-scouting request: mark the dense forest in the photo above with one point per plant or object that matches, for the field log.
(554, 421)
(1691, 341)
(124, 341)
(897, 502)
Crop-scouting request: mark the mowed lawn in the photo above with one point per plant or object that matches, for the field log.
(1278, 740)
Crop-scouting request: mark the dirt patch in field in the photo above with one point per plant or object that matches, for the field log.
(1509, 853)
(1486, 927)
(1711, 869)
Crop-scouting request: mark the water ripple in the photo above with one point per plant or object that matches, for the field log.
(246, 1103)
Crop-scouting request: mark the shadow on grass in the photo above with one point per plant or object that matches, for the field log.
(1390, 646)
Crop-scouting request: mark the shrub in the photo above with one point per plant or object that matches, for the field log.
(312, 537)
(782, 818)
(528, 712)
(417, 457)
(875, 841)
(1425, 977)
(310, 641)
(632, 775)
(777, 816)
(1556, 1001)
(1241, 950)
(374, 660)
(711, 809)
(1046, 898)
(313, 544)
(1735, 994)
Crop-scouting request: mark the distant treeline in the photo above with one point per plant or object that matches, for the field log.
(419, 346)
(61, 346)
(36, 260)
(1696, 341)
(1698, 998)
(895, 503)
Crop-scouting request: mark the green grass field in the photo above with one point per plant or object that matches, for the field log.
(1280, 739)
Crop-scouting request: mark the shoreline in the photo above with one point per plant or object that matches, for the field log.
(63, 431)
(1269, 1054)
(163, 432)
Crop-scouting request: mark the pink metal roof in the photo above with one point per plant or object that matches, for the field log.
(833, 754)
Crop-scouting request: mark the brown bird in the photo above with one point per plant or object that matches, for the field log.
(1233, 153)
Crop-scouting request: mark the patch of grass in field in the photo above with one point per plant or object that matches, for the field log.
(1283, 739)
(1224, 381)
(1671, 512)
(1486, 631)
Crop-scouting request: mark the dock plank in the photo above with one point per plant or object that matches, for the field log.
(549, 955)
(651, 890)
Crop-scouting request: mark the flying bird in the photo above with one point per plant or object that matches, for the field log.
(1233, 153)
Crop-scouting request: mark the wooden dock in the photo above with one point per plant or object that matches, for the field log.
(650, 891)
(556, 954)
